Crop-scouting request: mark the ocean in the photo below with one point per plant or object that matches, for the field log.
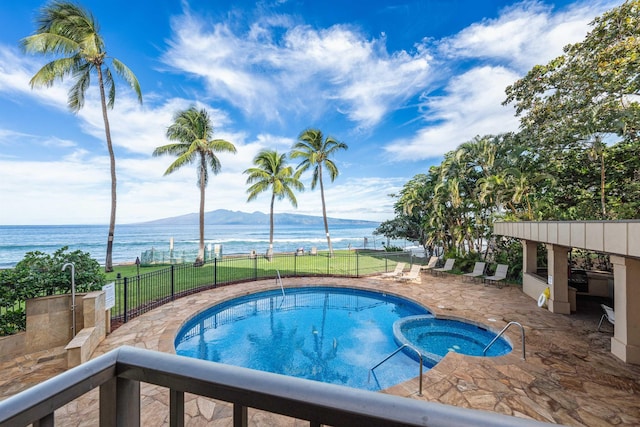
(132, 240)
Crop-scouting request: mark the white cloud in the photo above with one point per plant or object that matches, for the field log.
(470, 106)
(495, 52)
(264, 75)
(525, 34)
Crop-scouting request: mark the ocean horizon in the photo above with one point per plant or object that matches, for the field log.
(131, 240)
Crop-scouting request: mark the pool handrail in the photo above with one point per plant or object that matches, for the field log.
(393, 354)
(279, 280)
(524, 357)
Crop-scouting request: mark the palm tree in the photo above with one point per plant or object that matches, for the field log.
(271, 171)
(68, 30)
(193, 131)
(315, 150)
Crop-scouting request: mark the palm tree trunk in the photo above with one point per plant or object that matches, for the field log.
(273, 199)
(324, 211)
(108, 264)
(200, 258)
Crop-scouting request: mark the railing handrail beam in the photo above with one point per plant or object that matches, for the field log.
(314, 401)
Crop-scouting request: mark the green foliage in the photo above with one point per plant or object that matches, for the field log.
(576, 157)
(509, 251)
(39, 274)
(13, 322)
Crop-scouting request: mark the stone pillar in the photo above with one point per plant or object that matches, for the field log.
(558, 260)
(529, 256)
(625, 343)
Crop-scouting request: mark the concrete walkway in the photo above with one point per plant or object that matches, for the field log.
(569, 376)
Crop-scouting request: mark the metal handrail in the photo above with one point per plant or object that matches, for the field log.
(393, 354)
(279, 280)
(524, 357)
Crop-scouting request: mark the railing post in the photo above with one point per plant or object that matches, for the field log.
(240, 417)
(46, 421)
(176, 408)
(120, 403)
(357, 264)
(295, 264)
(126, 305)
(173, 283)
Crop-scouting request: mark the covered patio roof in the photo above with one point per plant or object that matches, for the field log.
(619, 239)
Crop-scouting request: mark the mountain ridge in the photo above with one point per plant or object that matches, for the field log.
(229, 217)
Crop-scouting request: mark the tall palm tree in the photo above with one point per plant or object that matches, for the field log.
(271, 171)
(315, 152)
(193, 131)
(71, 32)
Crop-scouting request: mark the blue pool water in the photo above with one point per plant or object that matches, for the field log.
(333, 335)
(434, 338)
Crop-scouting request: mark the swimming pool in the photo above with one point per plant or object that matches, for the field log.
(434, 338)
(326, 334)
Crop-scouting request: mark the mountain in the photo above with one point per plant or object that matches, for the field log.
(227, 217)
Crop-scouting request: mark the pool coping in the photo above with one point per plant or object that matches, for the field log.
(570, 377)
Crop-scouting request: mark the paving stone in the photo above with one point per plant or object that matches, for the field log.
(569, 376)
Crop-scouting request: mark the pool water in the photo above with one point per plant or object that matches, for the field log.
(434, 338)
(333, 335)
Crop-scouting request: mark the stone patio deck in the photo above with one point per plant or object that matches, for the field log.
(569, 376)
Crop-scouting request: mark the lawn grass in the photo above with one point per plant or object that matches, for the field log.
(156, 283)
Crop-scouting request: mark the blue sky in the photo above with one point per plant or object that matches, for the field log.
(400, 82)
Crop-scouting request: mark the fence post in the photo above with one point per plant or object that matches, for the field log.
(215, 272)
(295, 264)
(328, 257)
(173, 283)
(255, 268)
(126, 306)
(357, 264)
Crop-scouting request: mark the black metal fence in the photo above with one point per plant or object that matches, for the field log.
(138, 294)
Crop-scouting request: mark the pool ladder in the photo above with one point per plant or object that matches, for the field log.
(279, 280)
(393, 354)
(524, 357)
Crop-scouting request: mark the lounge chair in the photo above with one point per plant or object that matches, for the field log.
(433, 262)
(478, 271)
(413, 274)
(396, 272)
(448, 266)
(314, 251)
(498, 276)
(609, 314)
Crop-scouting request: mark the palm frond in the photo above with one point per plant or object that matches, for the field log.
(128, 76)
(77, 91)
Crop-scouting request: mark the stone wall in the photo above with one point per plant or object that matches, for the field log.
(81, 347)
(49, 321)
(12, 346)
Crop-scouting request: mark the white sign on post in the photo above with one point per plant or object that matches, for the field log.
(110, 295)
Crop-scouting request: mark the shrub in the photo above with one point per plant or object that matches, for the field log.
(41, 274)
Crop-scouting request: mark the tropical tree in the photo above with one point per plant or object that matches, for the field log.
(193, 130)
(70, 32)
(272, 172)
(315, 151)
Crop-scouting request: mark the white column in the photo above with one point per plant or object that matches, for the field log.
(625, 343)
(529, 256)
(557, 258)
